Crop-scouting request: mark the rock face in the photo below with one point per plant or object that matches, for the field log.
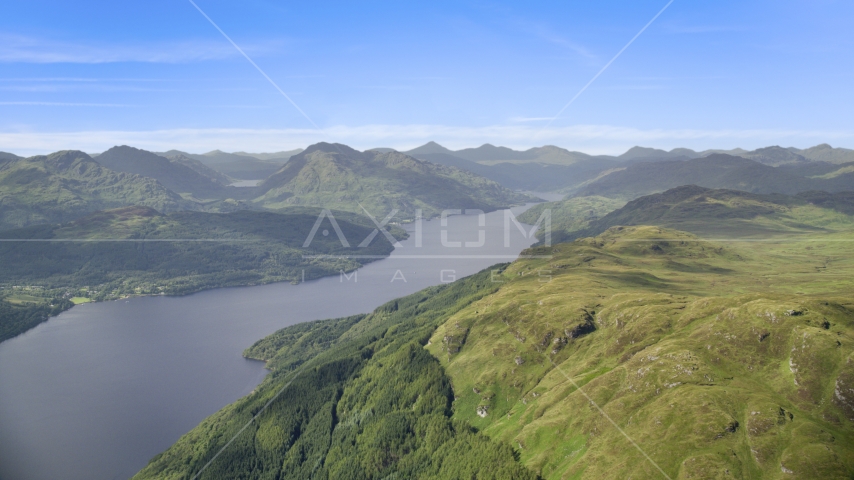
(585, 325)
(482, 411)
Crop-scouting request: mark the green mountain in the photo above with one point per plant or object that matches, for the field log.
(241, 166)
(336, 176)
(645, 153)
(276, 156)
(488, 154)
(539, 177)
(137, 250)
(774, 156)
(180, 175)
(732, 214)
(713, 360)
(201, 168)
(570, 216)
(8, 156)
(65, 185)
(643, 352)
(709, 212)
(234, 166)
(826, 153)
(713, 171)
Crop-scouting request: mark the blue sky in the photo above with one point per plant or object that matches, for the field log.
(157, 75)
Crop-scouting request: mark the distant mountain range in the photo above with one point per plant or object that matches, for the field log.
(337, 176)
(239, 165)
(430, 177)
(732, 213)
(552, 168)
(65, 185)
(716, 171)
(180, 173)
(703, 211)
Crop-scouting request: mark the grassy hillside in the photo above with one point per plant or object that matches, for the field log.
(65, 185)
(715, 213)
(240, 248)
(570, 216)
(717, 360)
(336, 176)
(719, 213)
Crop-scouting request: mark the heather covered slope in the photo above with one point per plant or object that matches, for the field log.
(65, 185)
(336, 176)
(717, 360)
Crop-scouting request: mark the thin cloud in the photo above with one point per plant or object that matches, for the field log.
(545, 33)
(529, 119)
(63, 104)
(23, 49)
(676, 28)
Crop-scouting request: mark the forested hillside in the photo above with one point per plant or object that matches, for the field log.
(353, 398)
(139, 251)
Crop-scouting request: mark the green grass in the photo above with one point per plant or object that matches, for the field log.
(570, 215)
(79, 300)
(673, 361)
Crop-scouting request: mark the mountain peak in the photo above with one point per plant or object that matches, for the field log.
(331, 148)
(640, 152)
(429, 147)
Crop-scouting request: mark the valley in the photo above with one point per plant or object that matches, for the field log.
(664, 286)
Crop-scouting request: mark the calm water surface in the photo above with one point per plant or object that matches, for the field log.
(97, 391)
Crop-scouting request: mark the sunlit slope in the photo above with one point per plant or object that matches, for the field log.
(570, 215)
(717, 360)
